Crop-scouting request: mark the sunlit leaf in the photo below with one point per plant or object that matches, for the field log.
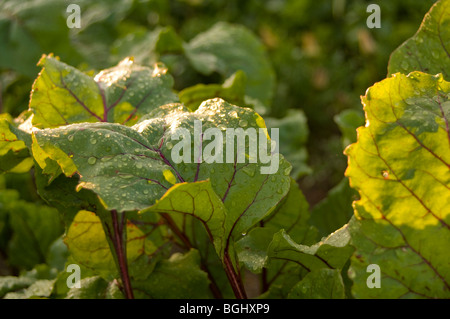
(64, 95)
(401, 168)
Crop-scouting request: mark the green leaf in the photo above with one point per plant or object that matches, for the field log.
(63, 95)
(130, 167)
(429, 49)
(291, 213)
(88, 245)
(12, 284)
(320, 284)
(293, 137)
(61, 193)
(57, 254)
(252, 248)
(348, 121)
(289, 262)
(14, 155)
(29, 28)
(335, 210)
(39, 289)
(147, 47)
(401, 168)
(232, 90)
(199, 200)
(332, 252)
(95, 288)
(34, 228)
(226, 48)
(179, 277)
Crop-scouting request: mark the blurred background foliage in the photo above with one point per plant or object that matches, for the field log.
(322, 59)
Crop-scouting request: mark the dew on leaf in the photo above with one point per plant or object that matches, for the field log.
(435, 54)
(287, 171)
(126, 176)
(249, 170)
(233, 114)
(405, 65)
(243, 123)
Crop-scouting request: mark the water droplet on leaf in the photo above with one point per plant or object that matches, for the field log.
(243, 123)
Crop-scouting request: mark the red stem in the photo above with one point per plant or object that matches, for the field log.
(121, 253)
(234, 278)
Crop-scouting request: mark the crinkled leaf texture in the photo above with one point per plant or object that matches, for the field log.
(63, 95)
(429, 49)
(401, 168)
(130, 168)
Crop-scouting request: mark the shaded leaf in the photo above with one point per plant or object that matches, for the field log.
(147, 47)
(226, 48)
(348, 121)
(335, 210)
(332, 252)
(34, 228)
(291, 213)
(179, 277)
(232, 90)
(293, 137)
(320, 284)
